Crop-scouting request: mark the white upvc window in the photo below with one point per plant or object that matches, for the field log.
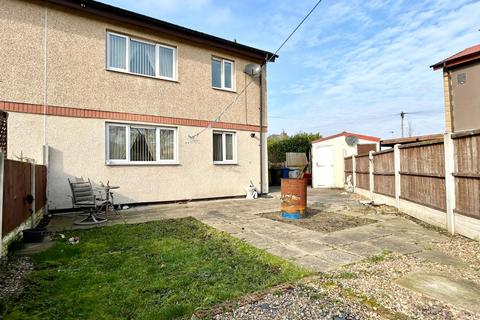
(223, 74)
(140, 57)
(224, 147)
(140, 144)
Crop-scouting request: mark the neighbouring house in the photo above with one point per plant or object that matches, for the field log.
(328, 154)
(461, 79)
(96, 91)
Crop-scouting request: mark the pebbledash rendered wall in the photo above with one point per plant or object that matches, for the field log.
(76, 78)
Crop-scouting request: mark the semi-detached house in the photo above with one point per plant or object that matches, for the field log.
(103, 93)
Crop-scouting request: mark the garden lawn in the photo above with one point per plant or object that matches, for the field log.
(158, 270)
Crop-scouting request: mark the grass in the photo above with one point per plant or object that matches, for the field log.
(381, 257)
(158, 270)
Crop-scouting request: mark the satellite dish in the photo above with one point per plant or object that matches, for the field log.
(253, 69)
(351, 140)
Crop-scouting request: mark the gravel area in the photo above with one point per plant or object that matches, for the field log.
(368, 289)
(12, 273)
(302, 302)
(322, 221)
(376, 280)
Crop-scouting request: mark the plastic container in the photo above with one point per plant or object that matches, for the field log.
(34, 235)
(251, 192)
(294, 198)
(293, 174)
(285, 172)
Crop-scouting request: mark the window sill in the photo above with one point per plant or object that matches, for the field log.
(142, 75)
(140, 164)
(225, 163)
(224, 89)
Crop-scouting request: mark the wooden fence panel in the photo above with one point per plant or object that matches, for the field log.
(467, 174)
(40, 187)
(362, 171)
(348, 168)
(422, 174)
(16, 186)
(384, 173)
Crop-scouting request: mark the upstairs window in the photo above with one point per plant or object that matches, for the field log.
(222, 74)
(133, 144)
(140, 57)
(224, 147)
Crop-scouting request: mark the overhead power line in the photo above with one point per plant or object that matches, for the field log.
(217, 118)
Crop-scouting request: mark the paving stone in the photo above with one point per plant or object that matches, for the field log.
(395, 244)
(336, 240)
(316, 264)
(281, 236)
(363, 249)
(245, 235)
(286, 252)
(440, 257)
(312, 247)
(32, 248)
(229, 228)
(260, 242)
(463, 293)
(339, 257)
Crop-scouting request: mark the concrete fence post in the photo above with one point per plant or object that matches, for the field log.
(396, 166)
(450, 181)
(370, 174)
(354, 174)
(32, 192)
(2, 165)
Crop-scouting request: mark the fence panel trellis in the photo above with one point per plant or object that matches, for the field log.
(348, 167)
(362, 171)
(384, 173)
(16, 186)
(422, 170)
(467, 173)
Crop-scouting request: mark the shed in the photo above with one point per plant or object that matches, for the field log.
(328, 155)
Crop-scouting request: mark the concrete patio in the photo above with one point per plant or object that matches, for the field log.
(315, 250)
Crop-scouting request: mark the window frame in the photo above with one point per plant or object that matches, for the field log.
(224, 147)
(127, 57)
(128, 127)
(222, 74)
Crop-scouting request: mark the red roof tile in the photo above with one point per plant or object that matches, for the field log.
(346, 134)
(467, 55)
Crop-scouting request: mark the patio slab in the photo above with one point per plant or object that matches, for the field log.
(395, 243)
(316, 264)
(363, 249)
(463, 293)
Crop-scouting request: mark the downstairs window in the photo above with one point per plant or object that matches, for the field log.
(224, 147)
(134, 144)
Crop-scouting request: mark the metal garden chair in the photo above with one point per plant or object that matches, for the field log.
(83, 197)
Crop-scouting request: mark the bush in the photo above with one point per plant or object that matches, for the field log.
(300, 142)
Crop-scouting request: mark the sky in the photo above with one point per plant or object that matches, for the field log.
(353, 66)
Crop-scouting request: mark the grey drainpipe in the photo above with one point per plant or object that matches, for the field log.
(261, 128)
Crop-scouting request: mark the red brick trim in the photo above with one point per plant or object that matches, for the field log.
(123, 116)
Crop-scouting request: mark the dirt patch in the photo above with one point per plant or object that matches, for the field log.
(322, 221)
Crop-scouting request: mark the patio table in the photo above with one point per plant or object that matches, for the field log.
(108, 203)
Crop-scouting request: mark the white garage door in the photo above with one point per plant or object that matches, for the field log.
(323, 170)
